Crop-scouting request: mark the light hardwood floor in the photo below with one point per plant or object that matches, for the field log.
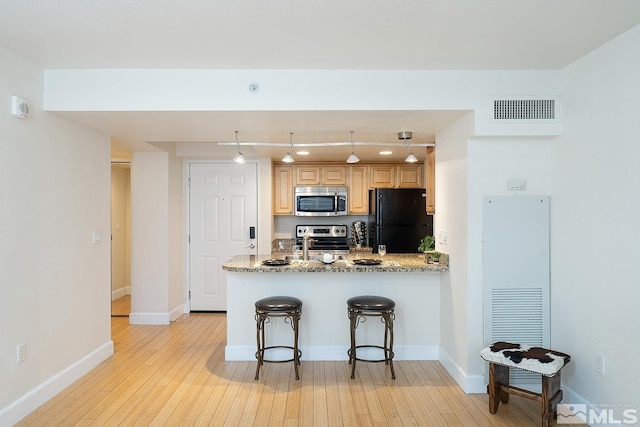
(121, 306)
(176, 375)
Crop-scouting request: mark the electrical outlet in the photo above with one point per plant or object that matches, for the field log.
(599, 363)
(445, 237)
(21, 353)
(281, 228)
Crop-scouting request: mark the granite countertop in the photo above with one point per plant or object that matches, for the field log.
(400, 263)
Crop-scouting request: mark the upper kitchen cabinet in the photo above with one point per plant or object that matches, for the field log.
(358, 190)
(382, 176)
(283, 190)
(320, 175)
(358, 178)
(396, 176)
(431, 180)
(410, 176)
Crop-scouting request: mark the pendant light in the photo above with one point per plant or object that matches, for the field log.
(352, 158)
(411, 158)
(239, 158)
(404, 135)
(288, 158)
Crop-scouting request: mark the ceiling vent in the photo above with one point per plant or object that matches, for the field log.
(525, 110)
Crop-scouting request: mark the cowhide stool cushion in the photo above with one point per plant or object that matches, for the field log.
(534, 359)
(548, 363)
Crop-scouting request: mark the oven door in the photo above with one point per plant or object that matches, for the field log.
(321, 205)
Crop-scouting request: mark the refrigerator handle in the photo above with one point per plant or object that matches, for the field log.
(380, 209)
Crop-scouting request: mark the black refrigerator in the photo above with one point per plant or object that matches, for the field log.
(398, 219)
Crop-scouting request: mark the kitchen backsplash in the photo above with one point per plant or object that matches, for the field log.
(285, 225)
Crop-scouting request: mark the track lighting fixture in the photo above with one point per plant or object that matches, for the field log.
(288, 158)
(352, 157)
(239, 158)
(404, 136)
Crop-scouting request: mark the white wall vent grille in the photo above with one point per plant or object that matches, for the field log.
(525, 109)
(517, 316)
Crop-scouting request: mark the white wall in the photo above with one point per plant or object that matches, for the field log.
(156, 238)
(595, 211)
(54, 283)
(120, 256)
(451, 216)
(491, 163)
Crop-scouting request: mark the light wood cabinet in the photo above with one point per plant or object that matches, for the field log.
(321, 175)
(334, 175)
(430, 165)
(409, 176)
(358, 178)
(382, 176)
(396, 176)
(358, 190)
(283, 190)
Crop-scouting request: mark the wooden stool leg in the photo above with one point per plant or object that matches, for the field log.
(498, 375)
(551, 396)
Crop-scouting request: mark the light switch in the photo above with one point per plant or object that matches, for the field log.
(96, 237)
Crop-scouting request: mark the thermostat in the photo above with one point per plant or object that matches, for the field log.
(517, 184)
(19, 107)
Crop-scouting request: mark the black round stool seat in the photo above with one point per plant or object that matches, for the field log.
(289, 308)
(278, 303)
(360, 307)
(371, 303)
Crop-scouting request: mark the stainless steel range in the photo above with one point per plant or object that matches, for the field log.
(324, 238)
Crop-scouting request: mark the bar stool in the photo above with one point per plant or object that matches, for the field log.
(278, 306)
(360, 307)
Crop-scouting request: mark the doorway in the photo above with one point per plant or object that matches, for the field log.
(120, 239)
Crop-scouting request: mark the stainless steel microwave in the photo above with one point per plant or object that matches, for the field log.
(321, 201)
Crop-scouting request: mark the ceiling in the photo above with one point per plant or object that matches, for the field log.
(310, 34)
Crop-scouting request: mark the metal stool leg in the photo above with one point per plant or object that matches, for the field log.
(387, 317)
(260, 342)
(353, 316)
(295, 319)
(388, 348)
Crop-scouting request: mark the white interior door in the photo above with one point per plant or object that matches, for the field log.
(222, 208)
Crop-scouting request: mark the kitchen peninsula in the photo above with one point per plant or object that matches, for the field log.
(324, 289)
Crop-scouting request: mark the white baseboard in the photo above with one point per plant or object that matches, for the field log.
(30, 401)
(156, 318)
(119, 293)
(176, 312)
(329, 353)
(149, 318)
(468, 383)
